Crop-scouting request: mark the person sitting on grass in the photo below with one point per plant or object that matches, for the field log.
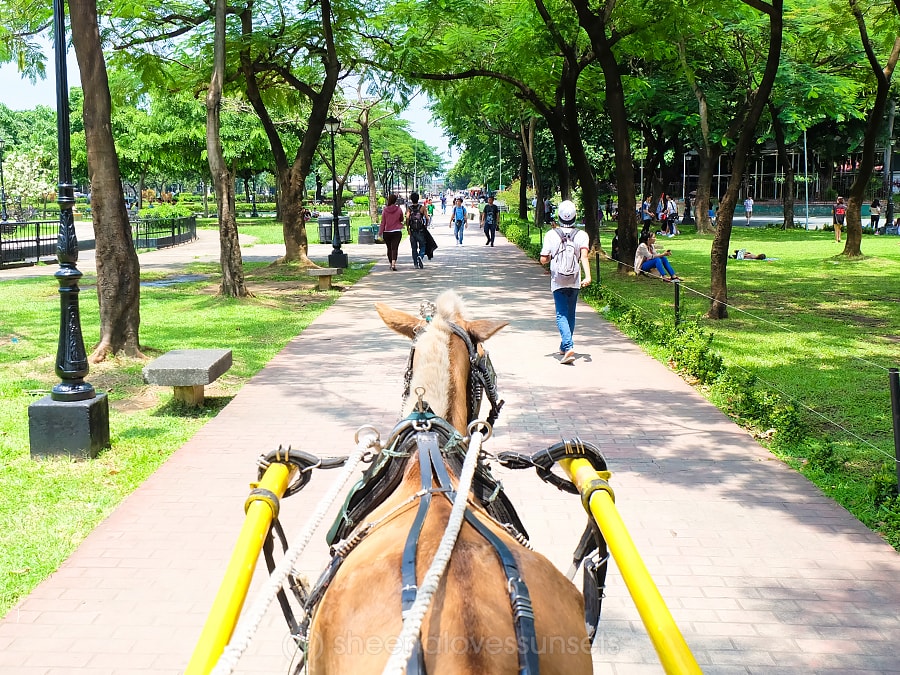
(646, 258)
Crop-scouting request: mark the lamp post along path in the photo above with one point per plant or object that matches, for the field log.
(73, 419)
(3, 214)
(337, 258)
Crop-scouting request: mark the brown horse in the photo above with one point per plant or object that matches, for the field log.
(469, 627)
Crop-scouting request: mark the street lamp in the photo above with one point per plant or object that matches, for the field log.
(337, 258)
(3, 214)
(73, 418)
(253, 213)
(397, 166)
(889, 215)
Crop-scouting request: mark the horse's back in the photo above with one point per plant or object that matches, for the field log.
(469, 628)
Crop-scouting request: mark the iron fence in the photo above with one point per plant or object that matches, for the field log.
(25, 242)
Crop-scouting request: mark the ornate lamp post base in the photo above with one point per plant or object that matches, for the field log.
(78, 428)
(337, 258)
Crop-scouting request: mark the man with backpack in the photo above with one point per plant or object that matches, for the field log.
(566, 249)
(490, 216)
(416, 225)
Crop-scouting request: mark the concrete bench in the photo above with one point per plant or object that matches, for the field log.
(324, 274)
(187, 371)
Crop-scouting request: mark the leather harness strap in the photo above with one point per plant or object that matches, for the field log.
(433, 469)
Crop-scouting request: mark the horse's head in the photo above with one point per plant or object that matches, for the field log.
(446, 348)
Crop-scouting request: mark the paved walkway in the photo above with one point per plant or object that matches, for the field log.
(762, 573)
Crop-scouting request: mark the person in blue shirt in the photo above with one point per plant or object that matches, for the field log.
(458, 220)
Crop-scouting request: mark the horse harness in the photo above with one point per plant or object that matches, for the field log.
(435, 440)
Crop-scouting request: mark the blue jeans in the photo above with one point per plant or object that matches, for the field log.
(417, 242)
(565, 300)
(459, 226)
(661, 264)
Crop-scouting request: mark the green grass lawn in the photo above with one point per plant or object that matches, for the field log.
(811, 326)
(48, 506)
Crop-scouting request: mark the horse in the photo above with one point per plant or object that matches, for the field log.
(474, 624)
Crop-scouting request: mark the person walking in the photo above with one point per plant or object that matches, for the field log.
(443, 203)
(458, 220)
(490, 216)
(748, 208)
(417, 225)
(561, 244)
(840, 211)
(875, 214)
(391, 229)
(429, 206)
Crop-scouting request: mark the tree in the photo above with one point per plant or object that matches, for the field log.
(118, 269)
(852, 247)
(230, 249)
(756, 102)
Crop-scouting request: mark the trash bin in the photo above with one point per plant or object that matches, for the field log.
(343, 229)
(367, 234)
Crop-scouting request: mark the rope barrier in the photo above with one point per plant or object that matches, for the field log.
(251, 621)
(413, 618)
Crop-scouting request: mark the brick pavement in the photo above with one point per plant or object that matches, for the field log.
(762, 573)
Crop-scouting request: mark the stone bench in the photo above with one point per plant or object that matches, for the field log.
(324, 274)
(187, 371)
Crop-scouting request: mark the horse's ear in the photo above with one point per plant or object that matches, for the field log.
(403, 323)
(482, 329)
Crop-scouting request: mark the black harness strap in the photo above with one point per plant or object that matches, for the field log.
(519, 598)
(428, 445)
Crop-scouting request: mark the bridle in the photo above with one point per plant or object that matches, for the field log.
(482, 376)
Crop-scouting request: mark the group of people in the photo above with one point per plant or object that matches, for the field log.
(417, 220)
(661, 219)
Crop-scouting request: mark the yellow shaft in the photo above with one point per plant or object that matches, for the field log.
(674, 654)
(227, 606)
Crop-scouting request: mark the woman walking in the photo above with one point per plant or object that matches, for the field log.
(391, 229)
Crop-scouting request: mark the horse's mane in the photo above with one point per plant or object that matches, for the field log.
(432, 360)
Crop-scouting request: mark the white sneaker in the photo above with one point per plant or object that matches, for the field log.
(568, 358)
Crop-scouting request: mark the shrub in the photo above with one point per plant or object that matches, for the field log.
(164, 210)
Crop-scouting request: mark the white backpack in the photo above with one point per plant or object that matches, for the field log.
(565, 261)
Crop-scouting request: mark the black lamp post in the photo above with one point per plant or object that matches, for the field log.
(337, 258)
(253, 213)
(889, 214)
(73, 419)
(3, 214)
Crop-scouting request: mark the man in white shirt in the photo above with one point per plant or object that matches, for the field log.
(565, 286)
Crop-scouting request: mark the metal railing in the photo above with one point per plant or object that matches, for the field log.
(21, 242)
(26, 242)
(163, 232)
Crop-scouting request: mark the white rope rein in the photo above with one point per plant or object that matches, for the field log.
(415, 615)
(367, 437)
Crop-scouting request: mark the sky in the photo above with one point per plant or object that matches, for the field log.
(19, 94)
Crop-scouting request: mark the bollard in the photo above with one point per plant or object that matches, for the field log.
(677, 302)
(894, 380)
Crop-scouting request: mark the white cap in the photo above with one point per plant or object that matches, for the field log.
(566, 213)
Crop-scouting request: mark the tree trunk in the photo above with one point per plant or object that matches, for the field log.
(523, 181)
(853, 245)
(230, 250)
(703, 199)
(626, 230)
(757, 101)
(528, 138)
(366, 141)
(582, 165)
(787, 166)
(118, 269)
